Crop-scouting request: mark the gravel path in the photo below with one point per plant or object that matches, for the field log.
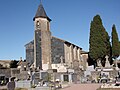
(2, 87)
(83, 87)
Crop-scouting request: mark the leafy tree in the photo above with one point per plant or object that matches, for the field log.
(98, 41)
(110, 58)
(115, 43)
(119, 47)
(13, 64)
(90, 60)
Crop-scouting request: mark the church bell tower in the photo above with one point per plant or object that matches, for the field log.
(42, 39)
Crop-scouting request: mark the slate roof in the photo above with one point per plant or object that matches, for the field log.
(41, 13)
(67, 42)
(31, 42)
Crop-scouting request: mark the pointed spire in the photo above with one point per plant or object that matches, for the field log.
(41, 12)
(40, 1)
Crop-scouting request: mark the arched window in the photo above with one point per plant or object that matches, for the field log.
(38, 25)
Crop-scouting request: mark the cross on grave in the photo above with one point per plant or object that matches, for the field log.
(106, 57)
(61, 59)
(107, 64)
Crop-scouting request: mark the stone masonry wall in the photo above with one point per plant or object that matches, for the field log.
(57, 49)
(6, 72)
(30, 52)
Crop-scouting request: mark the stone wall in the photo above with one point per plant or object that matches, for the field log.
(46, 47)
(72, 54)
(57, 49)
(23, 84)
(37, 49)
(84, 62)
(68, 54)
(5, 72)
(42, 42)
(30, 52)
(22, 75)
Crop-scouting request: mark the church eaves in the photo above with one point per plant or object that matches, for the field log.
(41, 13)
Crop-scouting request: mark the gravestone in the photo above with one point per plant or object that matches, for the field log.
(99, 63)
(61, 59)
(107, 63)
(11, 85)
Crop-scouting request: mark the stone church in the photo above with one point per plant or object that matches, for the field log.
(47, 51)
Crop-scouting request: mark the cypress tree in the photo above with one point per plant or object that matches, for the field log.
(99, 40)
(115, 43)
(107, 47)
(119, 48)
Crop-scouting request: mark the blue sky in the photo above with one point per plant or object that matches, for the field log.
(70, 21)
